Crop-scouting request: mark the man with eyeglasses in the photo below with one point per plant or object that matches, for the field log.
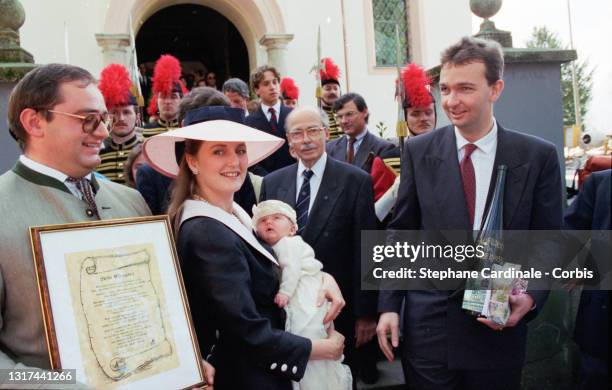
(358, 146)
(58, 117)
(334, 202)
(116, 87)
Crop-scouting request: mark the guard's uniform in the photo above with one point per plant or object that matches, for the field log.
(158, 127)
(114, 157)
(334, 129)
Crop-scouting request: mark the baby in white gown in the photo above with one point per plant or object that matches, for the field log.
(301, 279)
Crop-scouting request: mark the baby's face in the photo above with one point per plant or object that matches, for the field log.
(273, 227)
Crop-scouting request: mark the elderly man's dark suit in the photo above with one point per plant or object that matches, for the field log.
(281, 158)
(431, 197)
(370, 147)
(344, 205)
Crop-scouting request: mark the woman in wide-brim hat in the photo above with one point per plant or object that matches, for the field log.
(231, 279)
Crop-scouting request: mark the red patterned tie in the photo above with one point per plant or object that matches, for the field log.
(273, 119)
(468, 177)
(351, 150)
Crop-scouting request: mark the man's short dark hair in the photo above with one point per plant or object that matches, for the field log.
(237, 86)
(470, 50)
(258, 75)
(40, 90)
(351, 97)
(200, 97)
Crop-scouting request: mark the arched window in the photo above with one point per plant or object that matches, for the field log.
(386, 15)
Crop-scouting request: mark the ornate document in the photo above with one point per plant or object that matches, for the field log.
(118, 300)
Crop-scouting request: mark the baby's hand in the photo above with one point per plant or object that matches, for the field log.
(281, 300)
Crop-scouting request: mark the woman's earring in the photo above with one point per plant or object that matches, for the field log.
(195, 171)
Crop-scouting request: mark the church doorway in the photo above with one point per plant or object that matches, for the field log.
(200, 37)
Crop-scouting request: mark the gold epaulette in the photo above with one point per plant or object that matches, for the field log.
(394, 164)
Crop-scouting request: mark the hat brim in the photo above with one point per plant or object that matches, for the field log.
(160, 149)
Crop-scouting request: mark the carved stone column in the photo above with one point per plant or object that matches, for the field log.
(276, 46)
(115, 48)
(15, 62)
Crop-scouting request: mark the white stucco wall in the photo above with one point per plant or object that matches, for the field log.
(434, 24)
(43, 31)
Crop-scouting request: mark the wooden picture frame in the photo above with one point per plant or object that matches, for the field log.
(114, 304)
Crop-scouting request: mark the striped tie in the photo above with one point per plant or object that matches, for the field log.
(301, 207)
(84, 188)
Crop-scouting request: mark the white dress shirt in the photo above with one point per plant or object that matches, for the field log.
(276, 107)
(315, 181)
(483, 159)
(54, 173)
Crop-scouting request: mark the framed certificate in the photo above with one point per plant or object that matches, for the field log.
(114, 304)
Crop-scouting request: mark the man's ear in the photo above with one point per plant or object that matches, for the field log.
(496, 90)
(326, 130)
(32, 122)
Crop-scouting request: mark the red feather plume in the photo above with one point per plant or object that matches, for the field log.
(115, 84)
(166, 73)
(416, 86)
(288, 88)
(152, 108)
(330, 70)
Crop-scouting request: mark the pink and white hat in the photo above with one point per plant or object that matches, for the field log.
(162, 149)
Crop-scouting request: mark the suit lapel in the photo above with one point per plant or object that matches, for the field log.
(364, 149)
(264, 124)
(327, 197)
(507, 153)
(442, 167)
(287, 189)
(284, 111)
(338, 150)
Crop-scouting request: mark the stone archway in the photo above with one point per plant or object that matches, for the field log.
(260, 22)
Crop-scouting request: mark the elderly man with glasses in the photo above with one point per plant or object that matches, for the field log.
(334, 202)
(58, 116)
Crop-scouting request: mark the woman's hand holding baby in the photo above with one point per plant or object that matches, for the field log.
(330, 348)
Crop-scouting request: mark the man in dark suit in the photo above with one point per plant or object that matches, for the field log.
(358, 146)
(447, 179)
(270, 117)
(334, 203)
(591, 210)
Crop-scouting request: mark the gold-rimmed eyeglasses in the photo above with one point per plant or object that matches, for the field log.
(90, 121)
(298, 135)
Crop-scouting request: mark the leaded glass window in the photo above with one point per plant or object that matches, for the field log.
(387, 14)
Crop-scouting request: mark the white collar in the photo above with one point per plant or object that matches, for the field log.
(361, 135)
(46, 170)
(276, 107)
(239, 222)
(318, 168)
(486, 144)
